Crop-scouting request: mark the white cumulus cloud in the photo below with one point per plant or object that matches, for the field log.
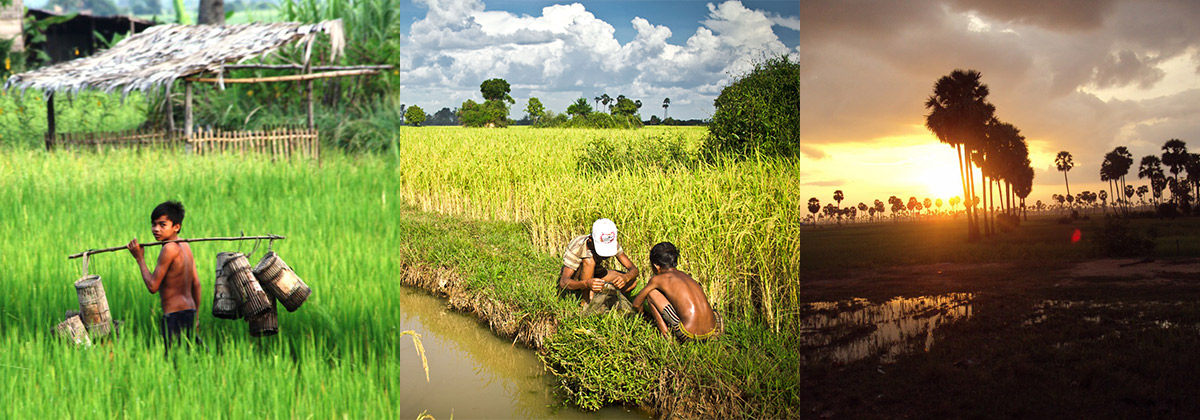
(567, 52)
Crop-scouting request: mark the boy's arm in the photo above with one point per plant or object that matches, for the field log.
(154, 279)
(631, 271)
(587, 269)
(641, 296)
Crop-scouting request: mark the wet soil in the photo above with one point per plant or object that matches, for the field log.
(1090, 339)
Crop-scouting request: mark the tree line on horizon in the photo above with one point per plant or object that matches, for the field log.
(1117, 164)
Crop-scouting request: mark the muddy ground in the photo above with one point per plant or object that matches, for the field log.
(1090, 339)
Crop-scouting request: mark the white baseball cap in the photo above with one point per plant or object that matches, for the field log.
(604, 237)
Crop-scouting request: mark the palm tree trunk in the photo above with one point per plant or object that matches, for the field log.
(1068, 186)
(964, 166)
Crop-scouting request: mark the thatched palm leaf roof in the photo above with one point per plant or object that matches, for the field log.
(161, 54)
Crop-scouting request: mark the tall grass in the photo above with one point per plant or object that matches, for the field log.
(736, 223)
(336, 356)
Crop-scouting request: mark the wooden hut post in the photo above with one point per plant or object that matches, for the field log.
(187, 110)
(308, 85)
(50, 121)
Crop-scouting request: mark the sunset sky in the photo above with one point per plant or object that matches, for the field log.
(1083, 76)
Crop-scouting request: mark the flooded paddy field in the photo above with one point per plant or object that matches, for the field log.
(1089, 339)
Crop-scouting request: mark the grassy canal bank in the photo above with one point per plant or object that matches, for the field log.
(491, 270)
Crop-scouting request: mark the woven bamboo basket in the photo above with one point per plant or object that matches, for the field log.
(265, 323)
(93, 306)
(73, 329)
(225, 303)
(281, 281)
(241, 280)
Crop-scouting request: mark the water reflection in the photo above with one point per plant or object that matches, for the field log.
(856, 329)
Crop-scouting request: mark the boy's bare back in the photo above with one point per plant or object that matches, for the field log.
(687, 296)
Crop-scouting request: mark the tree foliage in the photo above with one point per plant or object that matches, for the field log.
(580, 107)
(414, 116)
(536, 110)
(496, 90)
(490, 113)
(759, 113)
(626, 106)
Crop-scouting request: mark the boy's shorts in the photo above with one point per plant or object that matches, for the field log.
(175, 323)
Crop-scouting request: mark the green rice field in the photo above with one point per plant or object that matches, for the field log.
(336, 356)
(353, 223)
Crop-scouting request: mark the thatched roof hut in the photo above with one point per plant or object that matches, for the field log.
(162, 54)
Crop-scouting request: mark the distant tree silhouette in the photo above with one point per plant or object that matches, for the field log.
(927, 203)
(862, 208)
(954, 202)
(897, 206)
(1023, 185)
(666, 104)
(1064, 163)
(1193, 172)
(1151, 167)
(814, 206)
(1104, 200)
(1122, 162)
(1129, 191)
(958, 116)
(838, 196)
(879, 207)
(939, 204)
(1175, 157)
(1141, 193)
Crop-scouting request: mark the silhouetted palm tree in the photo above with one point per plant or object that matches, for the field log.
(862, 207)
(605, 99)
(1123, 161)
(1175, 157)
(958, 116)
(838, 196)
(1064, 163)
(1141, 193)
(666, 104)
(1104, 200)
(1023, 185)
(814, 206)
(1151, 167)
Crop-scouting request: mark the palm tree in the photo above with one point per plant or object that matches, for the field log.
(597, 101)
(1064, 163)
(605, 99)
(1193, 171)
(814, 206)
(1122, 163)
(1023, 185)
(1151, 167)
(666, 104)
(1175, 156)
(1141, 193)
(958, 116)
(1104, 200)
(838, 196)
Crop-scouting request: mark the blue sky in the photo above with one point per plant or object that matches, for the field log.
(560, 51)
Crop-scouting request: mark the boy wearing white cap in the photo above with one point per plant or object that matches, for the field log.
(583, 270)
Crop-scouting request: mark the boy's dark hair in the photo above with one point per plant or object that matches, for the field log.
(172, 209)
(664, 255)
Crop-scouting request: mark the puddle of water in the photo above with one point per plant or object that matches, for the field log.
(473, 373)
(856, 329)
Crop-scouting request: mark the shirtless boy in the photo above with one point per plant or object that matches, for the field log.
(680, 306)
(583, 270)
(174, 275)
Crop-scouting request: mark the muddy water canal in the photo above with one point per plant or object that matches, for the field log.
(473, 373)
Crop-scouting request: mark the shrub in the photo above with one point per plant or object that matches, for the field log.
(490, 113)
(1168, 210)
(1116, 239)
(759, 113)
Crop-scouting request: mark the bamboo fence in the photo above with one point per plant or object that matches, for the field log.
(279, 141)
(276, 142)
